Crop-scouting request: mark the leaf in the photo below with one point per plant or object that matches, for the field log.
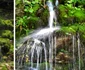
(6, 22)
(4, 41)
(36, 1)
(31, 10)
(7, 34)
(33, 2)
(4, 68)
(80, 14)
(35, 8)
(27, 2)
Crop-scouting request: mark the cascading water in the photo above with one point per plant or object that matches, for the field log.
(36, 47)
(51, 18)
(73, 52)
(79, 52)
(38, 51)
(52, 14)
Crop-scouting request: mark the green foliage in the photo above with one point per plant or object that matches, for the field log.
(30, 14)
(18, 2)
(6, 22)
(6, 35)
(70, 12)
(30, 6)
(29, 20)
(71, 16)
(4, 68)
(64, 51)
(74, 28)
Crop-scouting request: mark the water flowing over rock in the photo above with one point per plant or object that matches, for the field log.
(39, 50)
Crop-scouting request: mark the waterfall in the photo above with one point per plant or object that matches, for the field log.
(43, 48)
(79, 52)
(38, 48)
(45, 52)
(32, 53)
(55, 48)
(51, 11)
(73, 52)
(34, 43)
(52, 19)
(50, 52)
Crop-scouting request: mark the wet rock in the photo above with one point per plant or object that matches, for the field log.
(63, 58)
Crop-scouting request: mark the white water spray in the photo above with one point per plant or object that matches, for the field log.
(79, 52)
(52, 19)
(73, 52)
(38, 45)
